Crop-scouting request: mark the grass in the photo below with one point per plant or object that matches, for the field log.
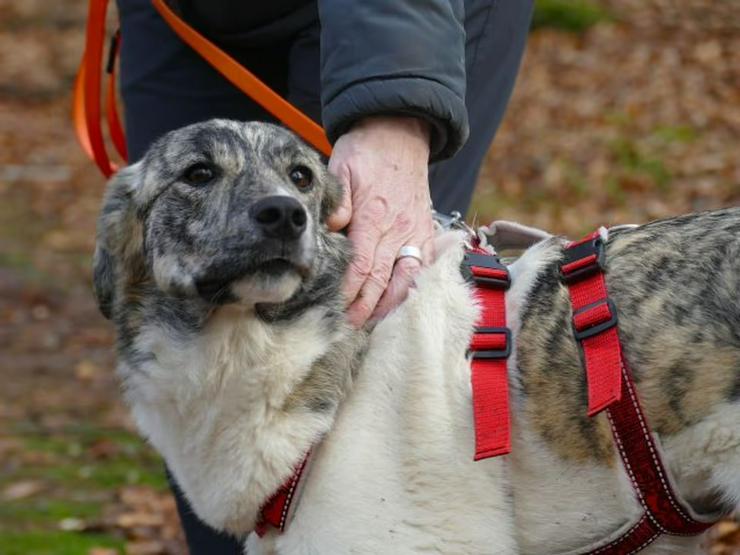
(568, 15)
(38, 513)
(675, 134)
(55, 543)
(77, 484)
(70, 464)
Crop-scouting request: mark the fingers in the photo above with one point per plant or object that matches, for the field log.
(371, 289)
(403, 278)
(382, 162)
(365, 233)
(389, 280)
(340, 218)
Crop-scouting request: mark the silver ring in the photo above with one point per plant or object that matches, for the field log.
(409, 251)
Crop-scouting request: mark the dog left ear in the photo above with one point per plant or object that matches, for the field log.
(119, 238)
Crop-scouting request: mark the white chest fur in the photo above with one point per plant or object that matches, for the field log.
(396, 474)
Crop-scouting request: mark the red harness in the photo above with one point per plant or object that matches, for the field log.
(489, 349)
(610, 388)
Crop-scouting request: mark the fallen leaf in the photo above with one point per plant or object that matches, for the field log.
(71, 524)
(22, 489)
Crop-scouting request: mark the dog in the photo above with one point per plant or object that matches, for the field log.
(216, 267)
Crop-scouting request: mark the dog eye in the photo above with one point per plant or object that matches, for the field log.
(301, 176)
(198, 174)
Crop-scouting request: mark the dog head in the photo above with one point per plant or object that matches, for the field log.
(222, 212)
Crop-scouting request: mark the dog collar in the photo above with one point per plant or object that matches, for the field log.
(276, 512)
(611, 388)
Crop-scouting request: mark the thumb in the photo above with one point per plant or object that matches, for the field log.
(339, 219)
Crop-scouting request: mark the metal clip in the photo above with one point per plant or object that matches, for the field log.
(455, 221)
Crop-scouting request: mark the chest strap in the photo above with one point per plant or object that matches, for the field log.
(489, 350)
(611, 388)
(276, 512)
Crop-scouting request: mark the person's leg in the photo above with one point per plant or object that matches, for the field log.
(497, 33)
(166, 85)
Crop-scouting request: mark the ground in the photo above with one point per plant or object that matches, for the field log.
(625, 111)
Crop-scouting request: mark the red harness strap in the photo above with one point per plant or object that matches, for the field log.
(610, 387)
(489, 349)
(275, 512)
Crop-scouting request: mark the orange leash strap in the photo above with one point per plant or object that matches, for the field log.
(86, 109)
(246, 81)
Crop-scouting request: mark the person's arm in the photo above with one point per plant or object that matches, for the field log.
(393, 88)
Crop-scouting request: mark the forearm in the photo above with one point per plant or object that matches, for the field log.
(377, 60)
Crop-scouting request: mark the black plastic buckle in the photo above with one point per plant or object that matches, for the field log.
(489, 261)
(596, 328)
(579, 252)
(495, 354)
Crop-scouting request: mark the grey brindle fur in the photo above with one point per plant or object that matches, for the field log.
(170, 252)
(675, 284)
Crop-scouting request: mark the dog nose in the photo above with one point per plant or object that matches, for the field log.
(280, 217)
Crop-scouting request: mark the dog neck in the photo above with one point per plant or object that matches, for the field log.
(397, 469)
(236, 406)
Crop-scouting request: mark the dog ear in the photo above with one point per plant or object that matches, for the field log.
(118, 248)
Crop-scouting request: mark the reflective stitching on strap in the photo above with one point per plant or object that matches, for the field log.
(630, 473)
(647, 542)
(658, 466)
(291, 491)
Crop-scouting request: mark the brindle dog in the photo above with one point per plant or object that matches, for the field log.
(223, 282)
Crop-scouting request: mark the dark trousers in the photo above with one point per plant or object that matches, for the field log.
(165, 85)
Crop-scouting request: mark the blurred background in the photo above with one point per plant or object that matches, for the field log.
(624, 111)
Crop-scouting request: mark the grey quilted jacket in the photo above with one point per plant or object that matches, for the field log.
(378, 57)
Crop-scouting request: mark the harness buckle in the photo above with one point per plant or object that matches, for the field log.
(486, 270)
(594, 318)
(582, 260)
(491, 354)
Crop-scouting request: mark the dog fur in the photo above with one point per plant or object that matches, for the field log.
(235, 364)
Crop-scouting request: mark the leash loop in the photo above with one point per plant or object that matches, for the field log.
(86, 103)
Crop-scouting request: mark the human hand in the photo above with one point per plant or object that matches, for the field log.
(383, 164)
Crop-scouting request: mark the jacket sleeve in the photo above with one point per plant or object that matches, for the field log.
(402, 57)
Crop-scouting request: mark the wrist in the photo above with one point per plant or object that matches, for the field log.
(390, 129)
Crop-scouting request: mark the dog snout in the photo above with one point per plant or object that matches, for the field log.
(280, 217)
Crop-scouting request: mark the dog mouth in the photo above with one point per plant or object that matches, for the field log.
(216, 287)
(278, 266)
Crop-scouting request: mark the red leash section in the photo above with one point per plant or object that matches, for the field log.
(610, 387)
(489, 350)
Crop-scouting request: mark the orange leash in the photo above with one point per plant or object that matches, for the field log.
(246, 81)
(87, 110)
